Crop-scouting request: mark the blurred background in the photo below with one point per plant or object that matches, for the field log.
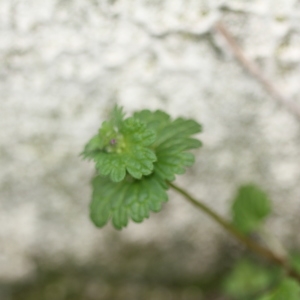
(64, 64)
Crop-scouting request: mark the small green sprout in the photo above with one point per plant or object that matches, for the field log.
(135, 157)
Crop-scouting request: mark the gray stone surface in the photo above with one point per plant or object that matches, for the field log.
(64, 64)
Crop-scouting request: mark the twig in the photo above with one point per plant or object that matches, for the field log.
(251, 244)
(255, 71)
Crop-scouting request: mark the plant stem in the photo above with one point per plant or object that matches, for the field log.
(250, 243)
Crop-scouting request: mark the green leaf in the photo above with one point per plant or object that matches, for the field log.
(246, 280)
(250, 207)
(288, 289)
(156, 120)
(295, 261)
(122, 146)
(117, 116)
(173, 139)
(180, 128)
(128, 199)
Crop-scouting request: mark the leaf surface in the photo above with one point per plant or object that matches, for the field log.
(288, 289)
(128, 199)
(173, 139)
(246, 280)
(250, 207)
(122, 146)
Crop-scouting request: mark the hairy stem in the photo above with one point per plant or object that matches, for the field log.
(248, 242)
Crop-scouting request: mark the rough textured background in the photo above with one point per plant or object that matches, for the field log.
(64, 64)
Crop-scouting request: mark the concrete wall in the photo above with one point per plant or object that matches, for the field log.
(65, 63)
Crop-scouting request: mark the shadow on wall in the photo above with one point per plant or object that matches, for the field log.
(139, 272)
